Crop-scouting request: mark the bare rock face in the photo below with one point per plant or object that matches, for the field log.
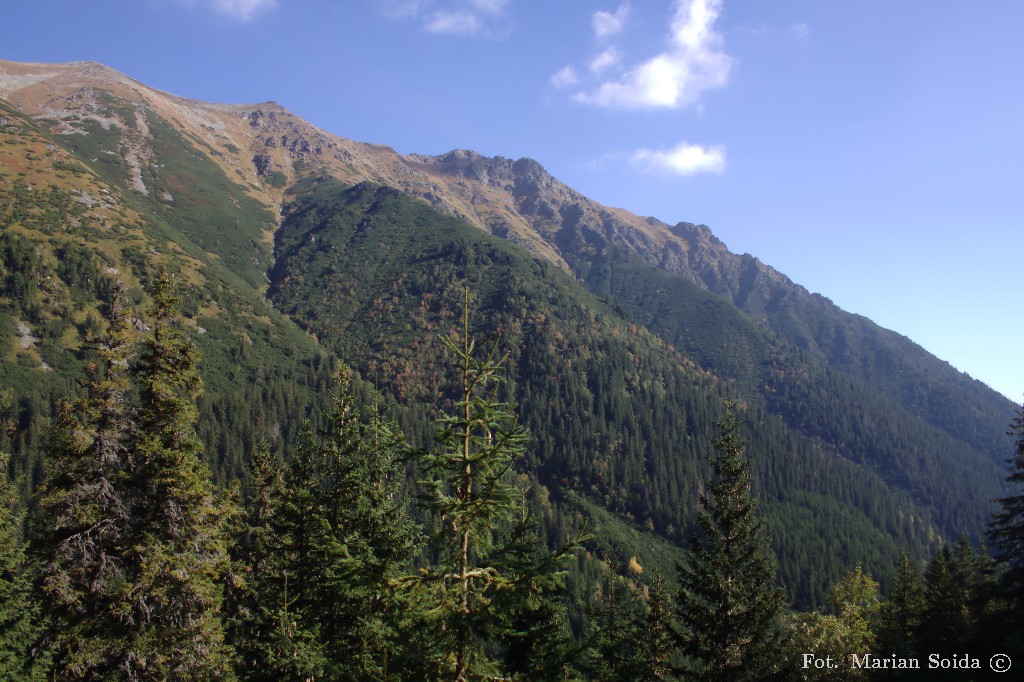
(696, 234)
(262, 121)
(262, 164)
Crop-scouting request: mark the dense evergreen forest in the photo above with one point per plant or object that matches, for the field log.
(359, 555)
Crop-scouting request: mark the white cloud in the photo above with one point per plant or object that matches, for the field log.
(457, 17)
(683, 159)
(693, 63)
(564, 77)
(609, 23)
(603, 61)
(243, 10)
(801, 30)
(461, 22)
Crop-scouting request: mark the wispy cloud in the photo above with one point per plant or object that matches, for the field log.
(693, 62)
(683, 159)
(800, 30)
(242, 10)
(565, 77)
(610, 23)
(460, 22)
(605, 60)
(455, 17)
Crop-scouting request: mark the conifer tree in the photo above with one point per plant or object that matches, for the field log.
(131, 538)
(292, 646)
(974, 571)
(18, 625)
(254, 619)
(959, 600)
(943, 623)
(346, 541)
(179, 548)
(86, 519)
(656, 634)
(728, 605)
(900, 613)
(618, 616)
(469, 486)
(641, 646)
(370, 544)
(534, 629)
(273, 637)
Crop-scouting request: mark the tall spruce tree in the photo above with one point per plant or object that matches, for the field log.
(656, 633)
(293, 647)
(534, 628)
(258, 628)
(975, 571)
(131, 535)
(948, 618)
(635, 638)
(336, 603)
(470, 487)
(86, 519)
(369, 544)
(900, 613)
(273, 638)
(179, 547)
(728, 605)
(615, 615)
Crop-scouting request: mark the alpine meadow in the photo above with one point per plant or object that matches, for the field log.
(279, 405)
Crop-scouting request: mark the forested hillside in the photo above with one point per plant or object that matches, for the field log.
(337, 566)
(376, 275)
(294, 251)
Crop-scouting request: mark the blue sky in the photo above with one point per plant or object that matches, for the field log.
(872, 150)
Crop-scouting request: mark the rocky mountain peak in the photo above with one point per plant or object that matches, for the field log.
(697, 235)
(529, 169)
(495, 171)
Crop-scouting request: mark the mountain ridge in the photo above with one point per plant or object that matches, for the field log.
(271, 126)
(269, 148)
(295, 247)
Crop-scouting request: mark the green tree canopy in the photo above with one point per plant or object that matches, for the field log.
(728, 605)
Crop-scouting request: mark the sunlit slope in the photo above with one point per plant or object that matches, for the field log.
(73, 224)
(619, 415)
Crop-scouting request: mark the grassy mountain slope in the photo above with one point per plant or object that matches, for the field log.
(73, 222)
